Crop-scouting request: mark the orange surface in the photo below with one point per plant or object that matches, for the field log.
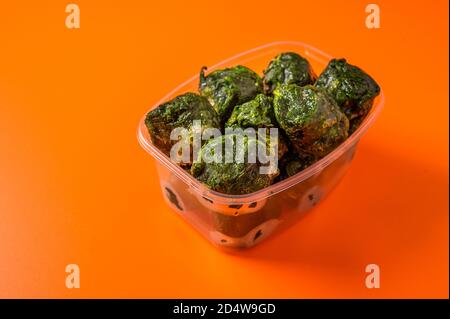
(75, 186)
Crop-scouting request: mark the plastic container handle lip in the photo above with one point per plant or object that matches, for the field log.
(222, 198)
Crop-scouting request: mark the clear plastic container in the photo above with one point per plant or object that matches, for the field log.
(242, 221)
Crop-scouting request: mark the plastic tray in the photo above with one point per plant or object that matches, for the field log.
(242, 221)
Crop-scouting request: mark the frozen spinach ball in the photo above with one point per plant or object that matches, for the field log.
(352, 88)
(288, 68)
(232, 176)
(311, 119)
(179, 113)
(228, 87)
(257, 113)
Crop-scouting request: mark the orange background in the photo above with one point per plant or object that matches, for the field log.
(75, 186)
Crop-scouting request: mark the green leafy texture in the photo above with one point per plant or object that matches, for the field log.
(352, 88)
(230, 178)
(310, 118)
(288, 68)
(179, 112)
(228, 87)
(257, 113)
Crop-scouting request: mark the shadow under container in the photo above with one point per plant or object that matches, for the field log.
(242, 221)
